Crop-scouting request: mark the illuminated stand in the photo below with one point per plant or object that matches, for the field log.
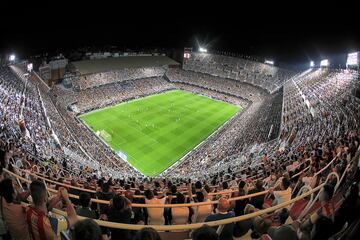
(202, 50)
(324, 63)
(353, 60)
(270, 62)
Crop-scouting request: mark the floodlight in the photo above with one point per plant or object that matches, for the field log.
(201, 49)
(30, 67)
(352, 59)
(269, 62)
(312, 64)
(324, 63)
(12, 57)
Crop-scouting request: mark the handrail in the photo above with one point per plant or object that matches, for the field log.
(93, 191)
(151, 205)
(198, 225)
(324, 168)
(190, 226)
(310, 204)
(301, 172)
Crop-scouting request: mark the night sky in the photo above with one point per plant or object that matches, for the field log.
(292, 33)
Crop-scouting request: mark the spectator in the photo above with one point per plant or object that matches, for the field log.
(284, 194)
(147, 233)
(139, 216)
(86, 230)
(204, 232)
(84, 209)
(241, 203)
(180, 215)
(38, 217)
(223, 213)
(199, 212)
(120, 212)
(283, 231)
(12, 212)
(257, 201)
(242, 227)
(155, 215)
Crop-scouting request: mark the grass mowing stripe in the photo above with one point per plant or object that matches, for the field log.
(156, 131)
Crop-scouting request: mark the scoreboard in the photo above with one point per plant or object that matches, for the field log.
(352, 59)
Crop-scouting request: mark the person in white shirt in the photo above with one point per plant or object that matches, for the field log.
(155, 215)
(200, 212)
(284, 194)
(180, 215)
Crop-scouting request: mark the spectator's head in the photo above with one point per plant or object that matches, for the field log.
(7, 190)
(249, 209)
(204, 232)
(86, 230)
(286, 232)
(282, 215)
(322, 228)
(198, 185)
(127, 187)
(149, 194)
(38, 193)
(261, 225)
(326, 193)
(285, 183)
(225, 185)
(120, 203)
(223, 205)
(259, 184)
(147, 233)
(180, 198)
(84, 199)
(173, 189)
(242, 184)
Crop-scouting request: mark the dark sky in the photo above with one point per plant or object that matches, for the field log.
(291, 33)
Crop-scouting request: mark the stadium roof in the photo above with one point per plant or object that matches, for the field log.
(108, 64)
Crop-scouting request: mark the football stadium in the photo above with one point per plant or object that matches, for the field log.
(113, 142)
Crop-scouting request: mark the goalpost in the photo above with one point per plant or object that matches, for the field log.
(104, 135)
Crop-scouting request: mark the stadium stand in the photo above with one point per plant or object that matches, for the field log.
(259, 74)
(296, 141)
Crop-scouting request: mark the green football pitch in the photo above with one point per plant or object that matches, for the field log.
(156, 131)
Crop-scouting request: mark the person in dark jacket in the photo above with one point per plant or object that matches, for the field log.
(257, 201)
(120, 212)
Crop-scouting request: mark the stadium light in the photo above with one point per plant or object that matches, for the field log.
(269, 62)
(12, 58)
(312, 64)
(352, 59)
(203, 50)
(324, 63)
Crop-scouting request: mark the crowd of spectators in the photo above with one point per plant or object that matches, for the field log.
(98, 79)
(263, 75)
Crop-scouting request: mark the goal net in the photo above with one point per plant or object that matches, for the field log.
(104, 135)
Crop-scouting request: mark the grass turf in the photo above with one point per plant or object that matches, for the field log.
(157, 130)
